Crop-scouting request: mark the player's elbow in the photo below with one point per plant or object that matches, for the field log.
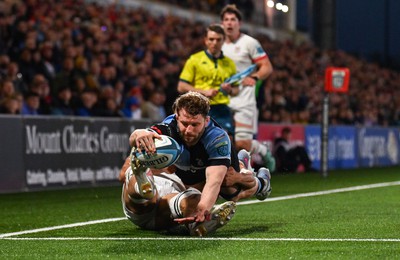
(182, 88)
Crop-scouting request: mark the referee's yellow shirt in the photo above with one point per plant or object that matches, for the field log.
(205, 72)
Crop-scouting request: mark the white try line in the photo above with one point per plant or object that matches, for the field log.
(295, 196)
(318, 193)
(207, 239)
(80, 224)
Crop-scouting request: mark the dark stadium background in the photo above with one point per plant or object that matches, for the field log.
(369, 29)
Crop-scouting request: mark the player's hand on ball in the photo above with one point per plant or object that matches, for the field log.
(145, 141)
(166, 152)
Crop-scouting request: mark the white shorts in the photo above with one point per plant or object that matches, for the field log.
(165, 184)
(246, 122)
(245, 113)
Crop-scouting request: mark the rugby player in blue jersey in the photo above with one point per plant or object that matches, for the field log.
(208, 161)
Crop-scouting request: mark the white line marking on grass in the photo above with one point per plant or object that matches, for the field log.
(60, 227)
(318, 193)
(295, 196)
(209, 239)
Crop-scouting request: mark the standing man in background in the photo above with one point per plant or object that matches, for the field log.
(206, 71)
(245, 51)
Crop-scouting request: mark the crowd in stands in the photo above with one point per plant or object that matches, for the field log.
(72, 58)
(214, 6)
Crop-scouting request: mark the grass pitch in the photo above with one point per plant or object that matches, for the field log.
(349, 215)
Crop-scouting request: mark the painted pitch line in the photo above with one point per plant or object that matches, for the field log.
(207, 239)
(295, 196)
(318, 193)
(60, 227)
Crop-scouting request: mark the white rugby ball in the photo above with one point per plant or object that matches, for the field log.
(168, 152)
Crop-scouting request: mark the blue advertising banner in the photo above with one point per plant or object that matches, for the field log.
(342, 145)
(378, 146)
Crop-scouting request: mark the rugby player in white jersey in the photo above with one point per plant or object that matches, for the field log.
(245, 50)
(168, 199)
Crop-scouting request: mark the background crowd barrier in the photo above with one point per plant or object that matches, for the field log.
(46, 152)
(349, 146)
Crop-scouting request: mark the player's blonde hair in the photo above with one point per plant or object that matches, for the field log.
(193, 102)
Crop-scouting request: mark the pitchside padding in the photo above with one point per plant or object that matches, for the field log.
(46, 152)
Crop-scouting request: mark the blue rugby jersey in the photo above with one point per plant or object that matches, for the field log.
(213, 148)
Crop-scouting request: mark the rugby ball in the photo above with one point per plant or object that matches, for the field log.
(168, 152)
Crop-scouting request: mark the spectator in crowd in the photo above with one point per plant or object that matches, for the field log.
(31, 104)
(49, 62)
(62, 104)
(111, 108)
(40, 86)
(88, 104)
(290, 157)
(130, 79)
(11, 100)
(245, 50)
(4, 62)
(106, 77)
(153, 108)
(14, 74)
(212, 6)
(10, 105)
(92, 79)
(132, 108)
(39, 64)
(108, 102)
(65, 76)
(26, 65)
(7, 89)
(206, 71)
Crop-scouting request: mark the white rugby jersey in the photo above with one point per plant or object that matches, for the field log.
(244, 52)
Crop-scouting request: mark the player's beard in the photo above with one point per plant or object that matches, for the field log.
(191, 139)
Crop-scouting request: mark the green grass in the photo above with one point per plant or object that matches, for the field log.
(257, 231)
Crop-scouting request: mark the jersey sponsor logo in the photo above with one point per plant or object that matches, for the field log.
(223, 148)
